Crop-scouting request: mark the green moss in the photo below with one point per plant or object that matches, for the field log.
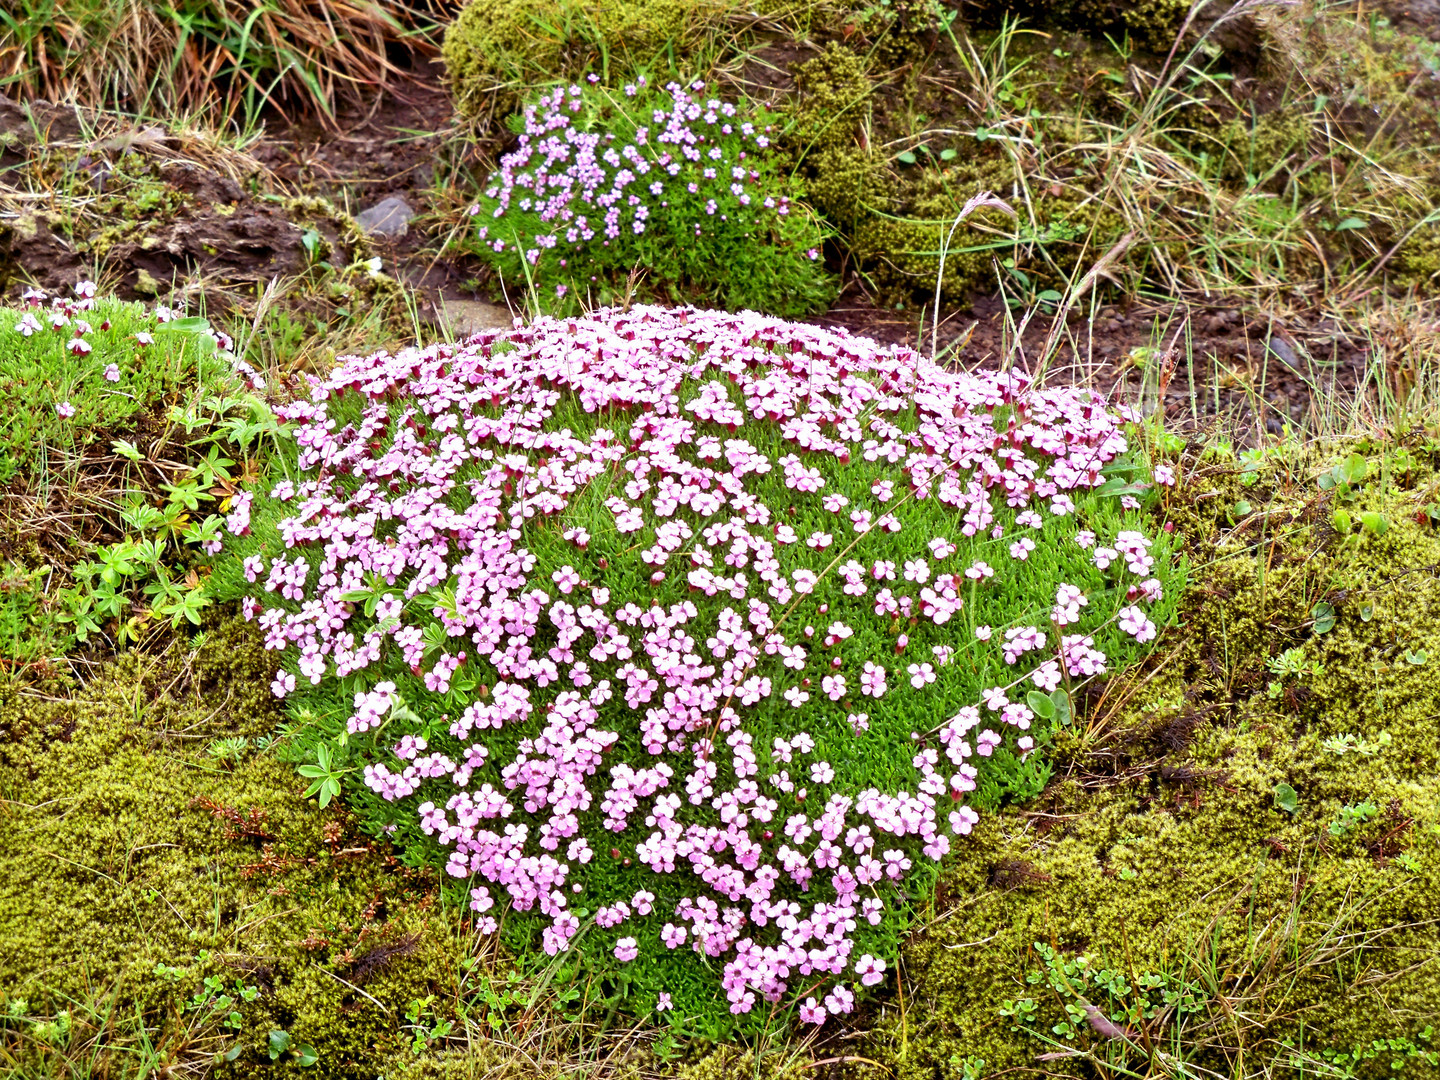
(1147, 24)
(843, 178)
(1255, 147)
(1164, 851)
(131, 847)
(495, 46)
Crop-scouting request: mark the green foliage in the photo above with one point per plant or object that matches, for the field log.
(177, 385)
(1352, 817)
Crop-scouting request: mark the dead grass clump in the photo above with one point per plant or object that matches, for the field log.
(295, 55)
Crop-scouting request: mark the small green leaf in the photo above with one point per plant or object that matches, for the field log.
(1340, 519)
(1117, 486)
(1374, 522)
(906, 157)
(1353, 469)
(1351, 223)
(1243, 508)
(1063, 712)
(1367, 612)
(1324, 615)
(195, 324)
(1418, 657)
(1041, 704)
(1286, 798)
(279, 1043)
(948, 154)
(233, 1052)
(305, 1055)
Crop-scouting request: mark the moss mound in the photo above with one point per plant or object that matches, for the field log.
(146, 877)
(1239, 859)
(496, 46)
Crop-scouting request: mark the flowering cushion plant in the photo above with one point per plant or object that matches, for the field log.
(689, 643)
(685, 188)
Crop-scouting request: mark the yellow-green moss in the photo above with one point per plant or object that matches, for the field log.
(496, 46)
(1164, 850)
(128, 846)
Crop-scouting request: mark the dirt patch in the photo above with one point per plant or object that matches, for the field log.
(1222, 362)
(150, 211)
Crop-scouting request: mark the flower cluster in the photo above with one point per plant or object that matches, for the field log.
(683, 186)
(594, 607)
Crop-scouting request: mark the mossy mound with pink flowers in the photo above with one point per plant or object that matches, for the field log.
(690, 643)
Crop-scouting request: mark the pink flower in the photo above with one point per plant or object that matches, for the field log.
(65, 410)
(1164, 475)
(663, 1003)
(870, 970)
(963, 820)
(921, 675)
(941, 548)
(1133, 621)
(112, 373)
(627, 949)
(872, 682)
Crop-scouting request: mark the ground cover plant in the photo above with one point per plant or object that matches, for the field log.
(667, 191)
(674, 634)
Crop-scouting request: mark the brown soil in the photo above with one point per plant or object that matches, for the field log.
(1220, 362)
(64, 182)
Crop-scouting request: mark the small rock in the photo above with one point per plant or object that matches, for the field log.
(1280, 348)
(389, 217)
(463, 318)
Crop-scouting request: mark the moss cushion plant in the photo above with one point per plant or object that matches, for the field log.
(688, 643)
